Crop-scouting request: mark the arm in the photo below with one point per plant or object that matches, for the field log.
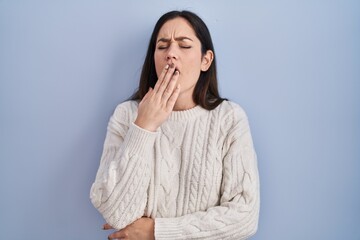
(120, 188)
(237, 215)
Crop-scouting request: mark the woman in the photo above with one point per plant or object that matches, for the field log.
(178, 160)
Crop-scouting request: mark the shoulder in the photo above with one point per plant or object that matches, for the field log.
(231, 111)
(232, 118)
(126, 107)
(126, 110)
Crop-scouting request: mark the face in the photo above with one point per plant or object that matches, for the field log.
(177, 43)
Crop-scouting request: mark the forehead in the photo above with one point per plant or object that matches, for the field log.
(176, 27)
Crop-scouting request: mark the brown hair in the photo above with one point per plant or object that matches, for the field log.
(206, 92)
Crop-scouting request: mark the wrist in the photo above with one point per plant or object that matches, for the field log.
(145, 126)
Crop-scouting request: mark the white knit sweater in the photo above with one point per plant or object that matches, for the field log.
(196, 176)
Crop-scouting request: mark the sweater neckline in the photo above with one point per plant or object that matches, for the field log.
(187, 114)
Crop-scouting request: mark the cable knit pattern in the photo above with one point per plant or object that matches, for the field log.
(196, 176)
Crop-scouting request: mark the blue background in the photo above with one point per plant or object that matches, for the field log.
(293, 65)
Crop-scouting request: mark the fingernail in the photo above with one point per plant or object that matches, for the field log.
(167, 66)
(176, 72)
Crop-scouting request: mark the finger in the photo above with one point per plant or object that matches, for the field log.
(148, 94)
(107, 226)
(161, 77)
(169, 74)
(170, 87)
(118, 235)
(172, 100)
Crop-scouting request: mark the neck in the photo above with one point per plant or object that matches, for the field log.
(185, 101)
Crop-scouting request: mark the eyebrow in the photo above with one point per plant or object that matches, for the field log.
(176, 39)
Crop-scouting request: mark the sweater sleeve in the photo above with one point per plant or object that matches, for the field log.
(120, 188)
(236, 217)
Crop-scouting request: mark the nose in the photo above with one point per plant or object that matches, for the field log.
(172, 52)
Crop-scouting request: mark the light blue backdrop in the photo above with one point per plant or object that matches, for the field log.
(293, 65)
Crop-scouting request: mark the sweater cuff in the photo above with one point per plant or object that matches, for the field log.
(139, 141)
(166, 228)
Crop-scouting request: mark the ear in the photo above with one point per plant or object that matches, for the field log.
(207, 60)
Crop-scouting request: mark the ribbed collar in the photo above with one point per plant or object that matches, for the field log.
(187, 114)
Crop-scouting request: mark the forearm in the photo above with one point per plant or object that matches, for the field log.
(120, 189)
(229, 221)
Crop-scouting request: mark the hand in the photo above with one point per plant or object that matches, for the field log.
(142, 229)
(159, 102)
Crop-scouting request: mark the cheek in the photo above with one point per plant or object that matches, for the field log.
(195, 64)
(158, 64)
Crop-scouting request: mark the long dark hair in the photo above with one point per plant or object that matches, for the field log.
(206, 92)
